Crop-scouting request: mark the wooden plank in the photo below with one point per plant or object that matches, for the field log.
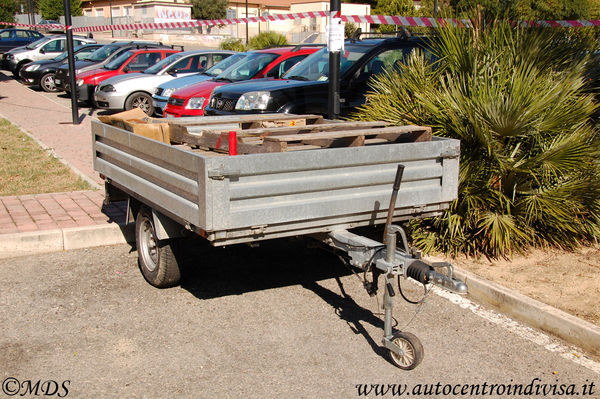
(301, 130)
(398, 130)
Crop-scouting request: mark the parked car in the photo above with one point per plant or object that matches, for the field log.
(133, 60)
(99, 58)
(304, 89)
(11, 38)
(134, 90)
(271, 63)
(50, 26)
(164, 90)
(45, 48)
(41, 73)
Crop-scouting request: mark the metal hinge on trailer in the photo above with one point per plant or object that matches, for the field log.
(220, 174)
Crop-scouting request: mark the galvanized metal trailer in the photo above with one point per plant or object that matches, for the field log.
(321, 193)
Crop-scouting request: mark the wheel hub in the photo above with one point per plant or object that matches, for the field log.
(148, 246)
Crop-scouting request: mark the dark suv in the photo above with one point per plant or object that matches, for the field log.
(304, 88)
(98, 59)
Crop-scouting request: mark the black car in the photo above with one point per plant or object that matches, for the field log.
(98, 59)
(304, 88)
(41, 73)
(11, 38)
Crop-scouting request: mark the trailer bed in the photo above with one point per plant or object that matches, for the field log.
(264, 195)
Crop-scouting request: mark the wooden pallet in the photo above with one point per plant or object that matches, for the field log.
(283, 133)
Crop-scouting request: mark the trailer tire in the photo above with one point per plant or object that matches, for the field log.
(412, 348)
(156, 258)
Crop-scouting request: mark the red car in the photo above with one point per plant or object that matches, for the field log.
(134, 60)
(267, 63)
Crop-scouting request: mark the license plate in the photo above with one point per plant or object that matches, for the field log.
(57, 81)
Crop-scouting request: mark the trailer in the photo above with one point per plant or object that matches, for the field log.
(248, 178)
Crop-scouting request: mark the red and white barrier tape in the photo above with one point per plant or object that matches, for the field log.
(371, 19)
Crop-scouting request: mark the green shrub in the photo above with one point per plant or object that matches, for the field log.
(517, 100)
(267, 39)
(232, 44)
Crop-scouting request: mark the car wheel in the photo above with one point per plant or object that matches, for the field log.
(140, 100)
(47, 83)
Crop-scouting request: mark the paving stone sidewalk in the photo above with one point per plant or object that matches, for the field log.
(27, 213)
(49, 123)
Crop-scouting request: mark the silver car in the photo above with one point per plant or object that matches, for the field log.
(164, 90)
(43, 49)
(134, 90)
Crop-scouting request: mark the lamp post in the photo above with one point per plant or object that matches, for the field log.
(112, 32)
(333, 98)
(246, 22)
(71, 57)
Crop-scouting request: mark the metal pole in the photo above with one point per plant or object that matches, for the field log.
(334, 72)
(246, 22)
(71, 57)
(435, 8)
(112, 32)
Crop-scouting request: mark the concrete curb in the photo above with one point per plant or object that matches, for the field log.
(534, 313)
(20, 244)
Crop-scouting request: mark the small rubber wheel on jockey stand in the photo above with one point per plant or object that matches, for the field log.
(412, 350)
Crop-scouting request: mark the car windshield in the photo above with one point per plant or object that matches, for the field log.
(248, 68)
(316, 66)
(102, 53)
(156, 68)
(37, 43)
(223, 65)
(120, 60)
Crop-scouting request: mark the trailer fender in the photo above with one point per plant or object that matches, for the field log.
(166, 227)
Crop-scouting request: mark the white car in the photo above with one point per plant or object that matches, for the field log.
(43, 49)
(134, 90)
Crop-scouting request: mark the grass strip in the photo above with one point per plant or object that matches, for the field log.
(26, 168)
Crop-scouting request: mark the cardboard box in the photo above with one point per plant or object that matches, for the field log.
(138, 122)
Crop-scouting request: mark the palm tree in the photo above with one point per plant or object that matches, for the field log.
(519, 101)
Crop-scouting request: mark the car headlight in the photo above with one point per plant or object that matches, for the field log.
(253, 100)
(168, 92)
(79, 82)
(195, 103)
(107, 88)
(31, 68)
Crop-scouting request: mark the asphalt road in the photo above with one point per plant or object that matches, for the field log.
(282, 320)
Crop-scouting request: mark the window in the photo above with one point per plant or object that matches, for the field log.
(196, 63)
(116, 11)
(218, 58)
(143, 61)
(88, 12)
(127, 10)
(99, 12)
(55, 46)
(6, 34)
(284, 66)
(21, 34)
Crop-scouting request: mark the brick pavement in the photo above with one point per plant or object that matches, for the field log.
(49, 122)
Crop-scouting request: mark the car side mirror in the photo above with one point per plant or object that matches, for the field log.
(126, 69)
(42, 51)
(173, 72)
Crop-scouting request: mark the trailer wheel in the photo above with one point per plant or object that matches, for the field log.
(156, 258)
(412, 350)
